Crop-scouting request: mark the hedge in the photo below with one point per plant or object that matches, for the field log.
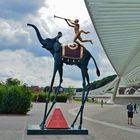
(14, 99)
(62, 97)
(41, 97)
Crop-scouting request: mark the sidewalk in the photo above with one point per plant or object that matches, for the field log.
(107, 123)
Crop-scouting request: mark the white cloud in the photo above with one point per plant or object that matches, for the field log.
(105, 66)
(72, 9)
(17, 9)
(30, 69)
(27, 66)
(12, 32)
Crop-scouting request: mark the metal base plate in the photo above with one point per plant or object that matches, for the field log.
(36, 130)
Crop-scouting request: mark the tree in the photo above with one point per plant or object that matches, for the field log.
(11, 81)
(102, 82)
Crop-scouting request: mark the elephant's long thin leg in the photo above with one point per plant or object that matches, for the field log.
(83, 96)
(83, 70)
(48, 99)
(60, 70)
(53, 103)
(82, 108)
(87, 77)
(43, 122)
(77, 113)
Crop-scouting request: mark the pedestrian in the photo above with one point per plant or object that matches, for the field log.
(37, 98)
(70, 98)
(135, 108)
(130, 113)
(102, 102)
(92, 99)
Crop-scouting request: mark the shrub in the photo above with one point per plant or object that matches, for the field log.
(52, 96)
(34, 96)
(3, 91)
(60, 98)
(42, 97)
(15, 99)
(39, 97)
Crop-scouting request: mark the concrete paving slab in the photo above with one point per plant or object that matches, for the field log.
(107, 123)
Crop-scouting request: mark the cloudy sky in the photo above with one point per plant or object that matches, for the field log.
(21, 55)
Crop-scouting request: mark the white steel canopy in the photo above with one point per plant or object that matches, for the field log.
(117, 23)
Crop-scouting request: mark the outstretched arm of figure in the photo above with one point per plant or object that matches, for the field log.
(69, 23)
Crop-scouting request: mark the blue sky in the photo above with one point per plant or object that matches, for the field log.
(21, 55)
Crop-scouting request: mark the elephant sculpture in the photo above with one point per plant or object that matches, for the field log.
(56, 49)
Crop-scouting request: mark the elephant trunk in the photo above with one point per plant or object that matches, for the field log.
(41, 40)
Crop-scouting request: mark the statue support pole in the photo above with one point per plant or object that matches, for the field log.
(112, 100)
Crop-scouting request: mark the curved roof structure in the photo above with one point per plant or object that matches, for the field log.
(117, 23)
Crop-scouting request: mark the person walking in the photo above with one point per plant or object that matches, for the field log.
(130, 113)
(92, 99)
(135, 108)
(102, 102)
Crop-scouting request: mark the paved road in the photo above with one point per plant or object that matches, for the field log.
(107, 123)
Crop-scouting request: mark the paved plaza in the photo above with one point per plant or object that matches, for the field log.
(107, 123)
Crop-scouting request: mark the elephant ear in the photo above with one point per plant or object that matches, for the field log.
(48, 44)
(57, 47)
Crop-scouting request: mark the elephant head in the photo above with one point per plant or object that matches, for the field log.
(47, 43)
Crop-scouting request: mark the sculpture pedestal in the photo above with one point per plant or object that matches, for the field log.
(36, 130)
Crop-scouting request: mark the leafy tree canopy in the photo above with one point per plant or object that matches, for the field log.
(11, 81)
(102, 82)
